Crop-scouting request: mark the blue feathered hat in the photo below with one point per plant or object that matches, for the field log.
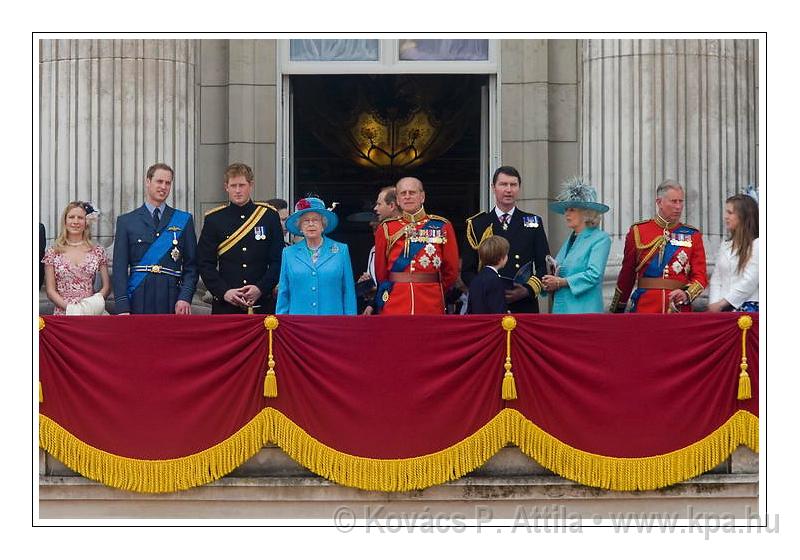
(306, 205)
(577, 194)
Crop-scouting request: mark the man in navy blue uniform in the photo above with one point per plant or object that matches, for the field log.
(155, 251)
(239, 253)
(524, 232)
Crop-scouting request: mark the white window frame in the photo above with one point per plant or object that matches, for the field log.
(388, 63)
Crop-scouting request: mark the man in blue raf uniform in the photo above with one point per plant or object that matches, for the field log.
(239, 253)
(154, 253)
(525, 234)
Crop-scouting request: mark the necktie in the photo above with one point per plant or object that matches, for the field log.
(156, 217)
(504, 220)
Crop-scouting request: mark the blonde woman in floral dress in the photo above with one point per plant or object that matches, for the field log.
(71, 265)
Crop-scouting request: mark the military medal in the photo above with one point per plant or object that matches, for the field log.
(259, 231)
(530, 221)
(175, 253)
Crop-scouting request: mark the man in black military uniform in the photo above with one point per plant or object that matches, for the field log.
(239, 251)
(524, 232)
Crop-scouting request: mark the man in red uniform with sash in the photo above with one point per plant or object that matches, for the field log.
(664, 258)
(416, 256)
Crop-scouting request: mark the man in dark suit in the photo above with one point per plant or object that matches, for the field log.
(524, 232)
(155, 251)
(239, 253)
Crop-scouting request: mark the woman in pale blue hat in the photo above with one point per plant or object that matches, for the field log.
(577, 278)
(316, 275)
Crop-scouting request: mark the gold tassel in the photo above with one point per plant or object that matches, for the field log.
(271, 385)
(509, 387)
(271, 381)
(745, 391)
(509, 390)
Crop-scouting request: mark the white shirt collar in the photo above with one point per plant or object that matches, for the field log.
(500, 212)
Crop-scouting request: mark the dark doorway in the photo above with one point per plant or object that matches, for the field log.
(331, 136)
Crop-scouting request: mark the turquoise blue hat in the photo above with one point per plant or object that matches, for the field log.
(306, 205)
(577, 194)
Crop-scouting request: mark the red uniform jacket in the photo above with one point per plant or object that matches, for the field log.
(421, 245)
(660, 257)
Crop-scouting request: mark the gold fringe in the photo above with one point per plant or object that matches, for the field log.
(167, 475)
(390, 475)
(41, 394)
(641, 473)
(399, 475)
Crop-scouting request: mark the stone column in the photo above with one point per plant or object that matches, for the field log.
(680, 109)
(108, 110)
(237, 84)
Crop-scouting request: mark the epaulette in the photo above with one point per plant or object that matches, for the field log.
(642, 222)
(220, 207)
(442, 218)
(387, 220)
(266, 204)
(475, 216)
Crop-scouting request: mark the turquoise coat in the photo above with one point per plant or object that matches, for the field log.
(324, 288)
(583, 267)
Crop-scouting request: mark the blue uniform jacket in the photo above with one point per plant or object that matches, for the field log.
(158, 293)
(487, 293)
(326, 288)
(583, 267)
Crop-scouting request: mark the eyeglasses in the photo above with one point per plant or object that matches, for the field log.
(307, 221)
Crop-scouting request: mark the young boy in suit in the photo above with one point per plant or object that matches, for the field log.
(487, 289)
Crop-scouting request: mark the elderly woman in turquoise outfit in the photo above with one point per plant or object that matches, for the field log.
(577, 282)
(316, 274)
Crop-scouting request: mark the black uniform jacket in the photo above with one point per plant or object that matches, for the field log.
(254, 259)
(528, 242)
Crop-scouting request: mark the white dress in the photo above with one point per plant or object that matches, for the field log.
(726, 283)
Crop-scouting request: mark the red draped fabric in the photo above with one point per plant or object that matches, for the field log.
(153, 388)
(631, 385)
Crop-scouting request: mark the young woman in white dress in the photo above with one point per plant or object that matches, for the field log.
(734, 284)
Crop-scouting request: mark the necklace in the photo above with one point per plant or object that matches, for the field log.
(78, 244)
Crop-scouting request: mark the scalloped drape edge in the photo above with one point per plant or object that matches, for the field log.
(636, 473)
(398, 475)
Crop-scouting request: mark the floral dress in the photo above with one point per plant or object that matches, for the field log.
(75, 282)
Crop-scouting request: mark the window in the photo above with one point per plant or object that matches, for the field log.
(444, 49)
(333, 49)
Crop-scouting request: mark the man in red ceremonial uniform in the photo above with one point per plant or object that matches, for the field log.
(664, 258)
(416, 256)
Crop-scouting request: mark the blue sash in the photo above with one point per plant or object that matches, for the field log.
(655, 268)
(158, 250)
(402, 262)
